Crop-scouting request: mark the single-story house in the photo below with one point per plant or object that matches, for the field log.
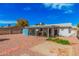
(65, 29)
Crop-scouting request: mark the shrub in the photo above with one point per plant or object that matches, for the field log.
(58, 40)
(64, 42)
(50, 38)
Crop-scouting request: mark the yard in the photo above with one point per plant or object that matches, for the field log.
(18, 45)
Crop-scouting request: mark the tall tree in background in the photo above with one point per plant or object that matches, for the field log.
(22, 22)
(78, 25)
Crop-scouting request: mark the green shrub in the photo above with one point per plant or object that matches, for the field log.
(50, 38)
(58, 40)
(64, 42)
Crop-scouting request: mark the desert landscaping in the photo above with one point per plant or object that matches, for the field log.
(18, 44)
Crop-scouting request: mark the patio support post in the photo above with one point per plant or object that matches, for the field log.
(52, 31)
(42, 31)
(48, 32)
(35, 32)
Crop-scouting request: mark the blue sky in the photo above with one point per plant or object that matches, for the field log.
(48, 13)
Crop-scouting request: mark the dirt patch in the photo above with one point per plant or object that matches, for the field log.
(53, 49)
(4, 39)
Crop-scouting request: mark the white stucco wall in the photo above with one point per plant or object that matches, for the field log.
(64, 32)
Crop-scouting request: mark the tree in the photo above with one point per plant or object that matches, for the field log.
(78, 25)
(22, 22)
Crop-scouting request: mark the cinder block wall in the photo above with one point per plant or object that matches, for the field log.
(15, 30)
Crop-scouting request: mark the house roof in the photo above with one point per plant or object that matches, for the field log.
(50, 25)
(75, 28)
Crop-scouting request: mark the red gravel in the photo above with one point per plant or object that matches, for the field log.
(19, 44)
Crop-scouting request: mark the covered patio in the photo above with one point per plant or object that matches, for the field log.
(43, 31)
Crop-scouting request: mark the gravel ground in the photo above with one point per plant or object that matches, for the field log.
(19, 45)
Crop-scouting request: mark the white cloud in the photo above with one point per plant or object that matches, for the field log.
(68, 11)
(57, 5)
(47, 5)
(7, 22)
(60, 6)
(27, 8)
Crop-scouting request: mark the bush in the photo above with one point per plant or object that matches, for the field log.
(58, 40)
(50, 38)
(64, 42)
